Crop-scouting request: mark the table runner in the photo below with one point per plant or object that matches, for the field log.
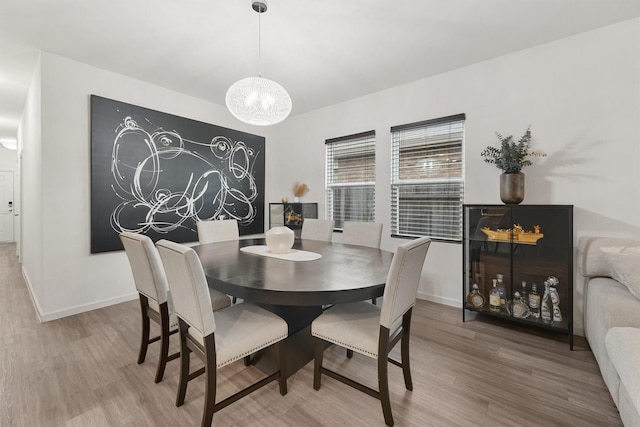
(294, 255)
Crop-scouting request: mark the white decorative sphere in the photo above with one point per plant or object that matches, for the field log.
(280, 240)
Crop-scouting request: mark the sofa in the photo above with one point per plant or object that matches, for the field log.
(611, 271)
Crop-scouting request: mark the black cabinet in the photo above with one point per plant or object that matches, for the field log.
(291, 215)
(516, 245)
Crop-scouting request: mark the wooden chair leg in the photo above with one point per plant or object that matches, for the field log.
(349, 353)
(247, 360)
(164, 341)
(184, 363)
(210, 385)
(282, 367)
(144, 340)
(383, 374)
(317, 362)
(404, 350)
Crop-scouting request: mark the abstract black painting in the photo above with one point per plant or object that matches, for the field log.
(158, 174)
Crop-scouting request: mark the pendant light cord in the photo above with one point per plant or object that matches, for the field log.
(259, 46)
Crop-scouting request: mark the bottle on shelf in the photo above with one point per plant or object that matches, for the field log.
(523, 294)
(555, 298)
(502, 291)
(475, 298)
(546, 306)
(519, 307)
(494, 297)
(534, 302)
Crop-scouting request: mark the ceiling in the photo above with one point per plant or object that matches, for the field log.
(322, 52)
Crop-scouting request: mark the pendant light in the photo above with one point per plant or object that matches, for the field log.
(256, 100)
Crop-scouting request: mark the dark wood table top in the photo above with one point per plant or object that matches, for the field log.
(345, 273)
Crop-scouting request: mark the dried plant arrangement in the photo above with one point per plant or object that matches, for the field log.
(300, 189)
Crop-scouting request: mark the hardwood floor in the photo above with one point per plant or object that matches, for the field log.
(82, 371)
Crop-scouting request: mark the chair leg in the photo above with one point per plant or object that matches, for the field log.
(317, 363)
(184, 363)
(164, 341)
(210, 385)
(144, 340)
(349, 353)
(383, 374)
(383, 387)
(404, 350)
(247, 360)
(282, 367)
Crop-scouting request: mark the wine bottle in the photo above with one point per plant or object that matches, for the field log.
(494, 297)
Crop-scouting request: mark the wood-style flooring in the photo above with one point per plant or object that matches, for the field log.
(82, 371)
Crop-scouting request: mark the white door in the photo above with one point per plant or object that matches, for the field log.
(6, 206)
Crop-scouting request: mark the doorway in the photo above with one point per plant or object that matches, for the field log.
(6, 206)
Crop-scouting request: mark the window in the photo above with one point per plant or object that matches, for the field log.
(351, 171)
(427, 186)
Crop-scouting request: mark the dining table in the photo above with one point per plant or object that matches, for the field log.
(319, 275)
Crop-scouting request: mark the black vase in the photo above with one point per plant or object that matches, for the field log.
(512, 188)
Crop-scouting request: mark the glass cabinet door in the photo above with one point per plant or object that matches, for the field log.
(518, 263)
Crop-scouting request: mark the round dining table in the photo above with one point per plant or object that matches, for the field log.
(297, 291)
(343, 273)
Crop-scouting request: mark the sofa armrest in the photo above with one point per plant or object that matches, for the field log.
(591, 262)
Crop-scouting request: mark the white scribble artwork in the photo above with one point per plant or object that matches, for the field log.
(166, 183)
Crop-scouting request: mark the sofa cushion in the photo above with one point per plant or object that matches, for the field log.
(624, 263)
(608, 304)
(623, 347)
(591, 263)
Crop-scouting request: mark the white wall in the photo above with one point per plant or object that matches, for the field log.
(580, 95)
(73, 280)
(8, 159)
(31, 213)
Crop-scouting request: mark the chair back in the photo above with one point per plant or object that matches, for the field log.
(146, 266)
(317, 229)
(188, 285)
(362, 233)
(403, 280)
(214, 231)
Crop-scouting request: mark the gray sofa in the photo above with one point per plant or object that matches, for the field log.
(612, 324)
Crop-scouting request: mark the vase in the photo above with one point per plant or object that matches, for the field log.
(512, 188)
(280, 240)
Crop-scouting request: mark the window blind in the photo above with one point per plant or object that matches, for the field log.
(427, 178)
(351, 169)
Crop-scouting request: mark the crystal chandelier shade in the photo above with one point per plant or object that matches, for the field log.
(256, 100)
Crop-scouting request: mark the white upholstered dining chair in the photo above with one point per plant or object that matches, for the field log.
(214, 231)
(155, 298)
(374, 330)
(362, 233)
(317, 229)
(218, 230)
(217, 339)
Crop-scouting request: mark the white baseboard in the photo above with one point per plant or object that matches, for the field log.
(34, 300)
(86, 307)
(440, 300)
(53, 315)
